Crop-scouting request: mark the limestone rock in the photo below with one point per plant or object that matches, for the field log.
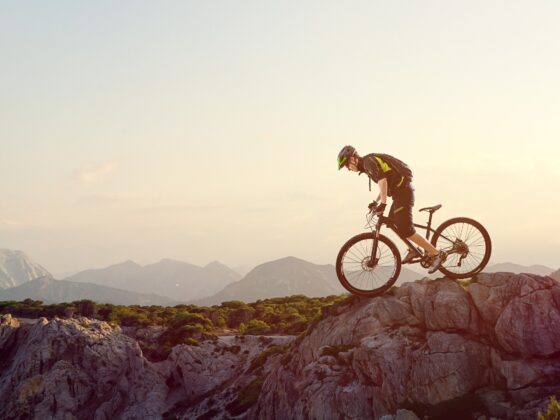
(64, 365)
(523, 309)
(430, 344)
(8, 328)
(427, 349)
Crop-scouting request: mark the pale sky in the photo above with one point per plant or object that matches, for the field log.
(208, 130)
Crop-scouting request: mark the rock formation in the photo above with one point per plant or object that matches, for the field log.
(429, 349)
(431, 346)
(73, 369)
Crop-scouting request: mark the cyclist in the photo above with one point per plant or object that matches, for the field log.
(393, 184)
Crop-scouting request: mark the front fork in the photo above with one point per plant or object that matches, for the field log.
(373, 260)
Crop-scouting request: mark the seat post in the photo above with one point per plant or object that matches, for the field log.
(429, 225)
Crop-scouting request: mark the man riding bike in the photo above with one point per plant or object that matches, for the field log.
(394, 180)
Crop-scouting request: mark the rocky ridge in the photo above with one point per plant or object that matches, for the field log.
(430, 346)
(488, 348)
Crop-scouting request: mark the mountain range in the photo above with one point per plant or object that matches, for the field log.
(49, 290)
(539, 270)
(285, 277)
(169, 282)
(175, 280)
(17, 268)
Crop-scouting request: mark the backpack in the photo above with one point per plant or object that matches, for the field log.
(396, 164)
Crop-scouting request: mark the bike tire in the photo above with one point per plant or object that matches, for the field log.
(340, 265)
(461, 227)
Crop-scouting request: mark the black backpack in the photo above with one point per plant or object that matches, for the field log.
(396, 164)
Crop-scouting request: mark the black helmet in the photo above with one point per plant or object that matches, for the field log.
(345, 153)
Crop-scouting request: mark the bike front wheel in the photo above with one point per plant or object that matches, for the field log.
(467, 244)
(355, 270)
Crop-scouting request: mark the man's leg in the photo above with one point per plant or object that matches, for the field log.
(401, 213)
(422, 242)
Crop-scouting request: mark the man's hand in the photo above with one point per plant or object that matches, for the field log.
(377, 208)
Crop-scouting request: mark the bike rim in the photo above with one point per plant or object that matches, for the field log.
(355, 270)
(462, 239)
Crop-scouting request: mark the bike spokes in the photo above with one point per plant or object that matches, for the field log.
(361, 272)
(467, 244)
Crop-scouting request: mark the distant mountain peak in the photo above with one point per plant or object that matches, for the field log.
(127, 263)
(170, 278)
(289, 260)
(216, 265)
(17, 268)
(285, 277)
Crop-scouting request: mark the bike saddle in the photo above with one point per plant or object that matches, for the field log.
(431, 209)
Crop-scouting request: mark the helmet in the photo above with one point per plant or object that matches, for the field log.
(345, 153)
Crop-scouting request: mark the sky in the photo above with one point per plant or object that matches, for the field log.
(204, 131)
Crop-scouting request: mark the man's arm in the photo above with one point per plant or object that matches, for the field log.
(374, 171)
(382, 197)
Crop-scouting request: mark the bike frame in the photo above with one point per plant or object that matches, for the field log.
(383, 220)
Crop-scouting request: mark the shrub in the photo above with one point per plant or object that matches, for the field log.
(552, 410)
(257, 327)
(246, 397)
(261, 359)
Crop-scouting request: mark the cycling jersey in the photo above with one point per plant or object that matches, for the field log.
(377, 169)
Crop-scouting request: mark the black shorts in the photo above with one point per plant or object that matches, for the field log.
(401, 209)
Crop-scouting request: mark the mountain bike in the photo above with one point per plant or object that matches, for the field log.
(368, 264)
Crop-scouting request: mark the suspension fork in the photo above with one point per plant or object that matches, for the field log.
(373, 259)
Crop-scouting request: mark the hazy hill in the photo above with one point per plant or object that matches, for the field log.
(174, 279)
(50, 290)
(285, 277)
(17, 268)
(556, 275)
(507, 267)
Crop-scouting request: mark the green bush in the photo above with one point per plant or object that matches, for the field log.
(257, 327)
(284, 315)
(246, 398)
(552, 410)
(261, 359)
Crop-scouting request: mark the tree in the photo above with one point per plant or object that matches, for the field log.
(69, 311)
(257, 327)
(86, 307)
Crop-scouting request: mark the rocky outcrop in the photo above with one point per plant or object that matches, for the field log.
(69, 369)
(492, 346)
(8, 330)
(209, 380)
(433, 348)
(81, 369)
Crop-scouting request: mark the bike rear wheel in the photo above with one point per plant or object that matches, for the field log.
(354, 270)
(468, 246)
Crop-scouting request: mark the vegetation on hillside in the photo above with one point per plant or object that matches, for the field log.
(188, 324)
